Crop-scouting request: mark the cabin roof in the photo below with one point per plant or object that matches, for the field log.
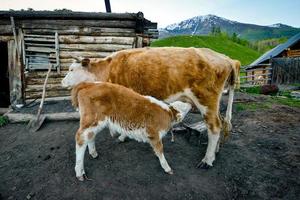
(276, 50)
(67, 14)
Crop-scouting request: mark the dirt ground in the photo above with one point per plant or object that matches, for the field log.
(261, 160)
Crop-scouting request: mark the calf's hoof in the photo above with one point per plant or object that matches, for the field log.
(94, 155)
(170, 172)
(80, 178)
(203, 165)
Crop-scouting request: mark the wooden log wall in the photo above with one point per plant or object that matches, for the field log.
(285, 70)
(77, 38)
(90, 35)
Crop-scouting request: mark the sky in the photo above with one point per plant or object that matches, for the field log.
(165, 12)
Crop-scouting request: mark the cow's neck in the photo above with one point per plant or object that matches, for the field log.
(101, 72)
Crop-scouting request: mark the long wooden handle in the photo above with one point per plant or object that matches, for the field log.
(44, 92)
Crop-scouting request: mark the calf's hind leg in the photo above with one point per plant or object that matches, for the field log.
(157, 146)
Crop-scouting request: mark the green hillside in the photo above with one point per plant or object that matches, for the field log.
(217, 43)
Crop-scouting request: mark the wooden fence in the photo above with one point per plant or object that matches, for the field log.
(258, 75)
(285, 70)
(278, 71)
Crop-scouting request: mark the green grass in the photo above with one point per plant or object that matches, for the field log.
(220, 44)
(284, 99)
(253, 106)
(3, 121)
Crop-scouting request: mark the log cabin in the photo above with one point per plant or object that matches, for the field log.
(31, 40)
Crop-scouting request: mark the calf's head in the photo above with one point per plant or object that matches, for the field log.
(78, 72)
(181, 109)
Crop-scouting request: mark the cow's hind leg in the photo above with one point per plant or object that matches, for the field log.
(213, 128)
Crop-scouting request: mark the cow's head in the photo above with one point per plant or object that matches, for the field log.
(181, 110)
(84, 70)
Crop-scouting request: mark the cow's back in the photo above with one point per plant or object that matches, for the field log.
(161, 72)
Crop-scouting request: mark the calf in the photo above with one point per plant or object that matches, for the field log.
(142, 118)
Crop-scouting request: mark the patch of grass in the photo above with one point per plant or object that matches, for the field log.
(220, 44)
(252, 90)
(286, 101)
(3, 121)
(252, 106)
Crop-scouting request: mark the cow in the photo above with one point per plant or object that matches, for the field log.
(198, 75)
(142, 118)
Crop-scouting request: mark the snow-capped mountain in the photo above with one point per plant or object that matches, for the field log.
(202, 25)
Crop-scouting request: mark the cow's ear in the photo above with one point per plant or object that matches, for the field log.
(108, 59)
(85, 62)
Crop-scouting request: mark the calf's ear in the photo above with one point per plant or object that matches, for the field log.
(176, 115)
(85, 62)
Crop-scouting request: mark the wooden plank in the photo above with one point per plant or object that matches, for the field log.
(5, 38)
(89, 54)
(39, 45)
(256, 75)
(94, 47)
(58, 24)
(76, 39)
(258, 80)
(39, 49)
(42, 74)
(258, 69)
(33, 39)
(39, 36)
(15, 75)
(24, 117)
(92, 31)
(49, 87)
(58, 93)
(40, 81)
(57, 52)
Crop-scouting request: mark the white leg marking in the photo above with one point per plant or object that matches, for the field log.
(122, 137)
(164, 164)
(92, 148)
(211, 147)
(229, 105)
(79, 167)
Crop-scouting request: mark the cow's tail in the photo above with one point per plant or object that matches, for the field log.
(233, 83)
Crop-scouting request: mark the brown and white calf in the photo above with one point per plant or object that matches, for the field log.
(142, 118)
(169, 74)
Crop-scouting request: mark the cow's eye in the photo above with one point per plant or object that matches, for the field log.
(71, 70)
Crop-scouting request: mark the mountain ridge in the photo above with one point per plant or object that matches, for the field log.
(202, 25)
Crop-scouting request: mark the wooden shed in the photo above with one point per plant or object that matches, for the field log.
(31, 40)
(280, 65)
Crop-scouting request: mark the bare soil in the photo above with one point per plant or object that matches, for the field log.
(261, 160)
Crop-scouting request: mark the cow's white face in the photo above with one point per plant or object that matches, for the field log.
(182, 108)
(77, 74)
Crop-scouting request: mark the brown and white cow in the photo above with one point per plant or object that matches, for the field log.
(142, 118)
(169, 74)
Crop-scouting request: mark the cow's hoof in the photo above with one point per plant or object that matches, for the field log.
(203, 165)
(80, 178)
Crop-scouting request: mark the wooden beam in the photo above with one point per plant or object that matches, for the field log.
(76, 39)
(94, 47)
